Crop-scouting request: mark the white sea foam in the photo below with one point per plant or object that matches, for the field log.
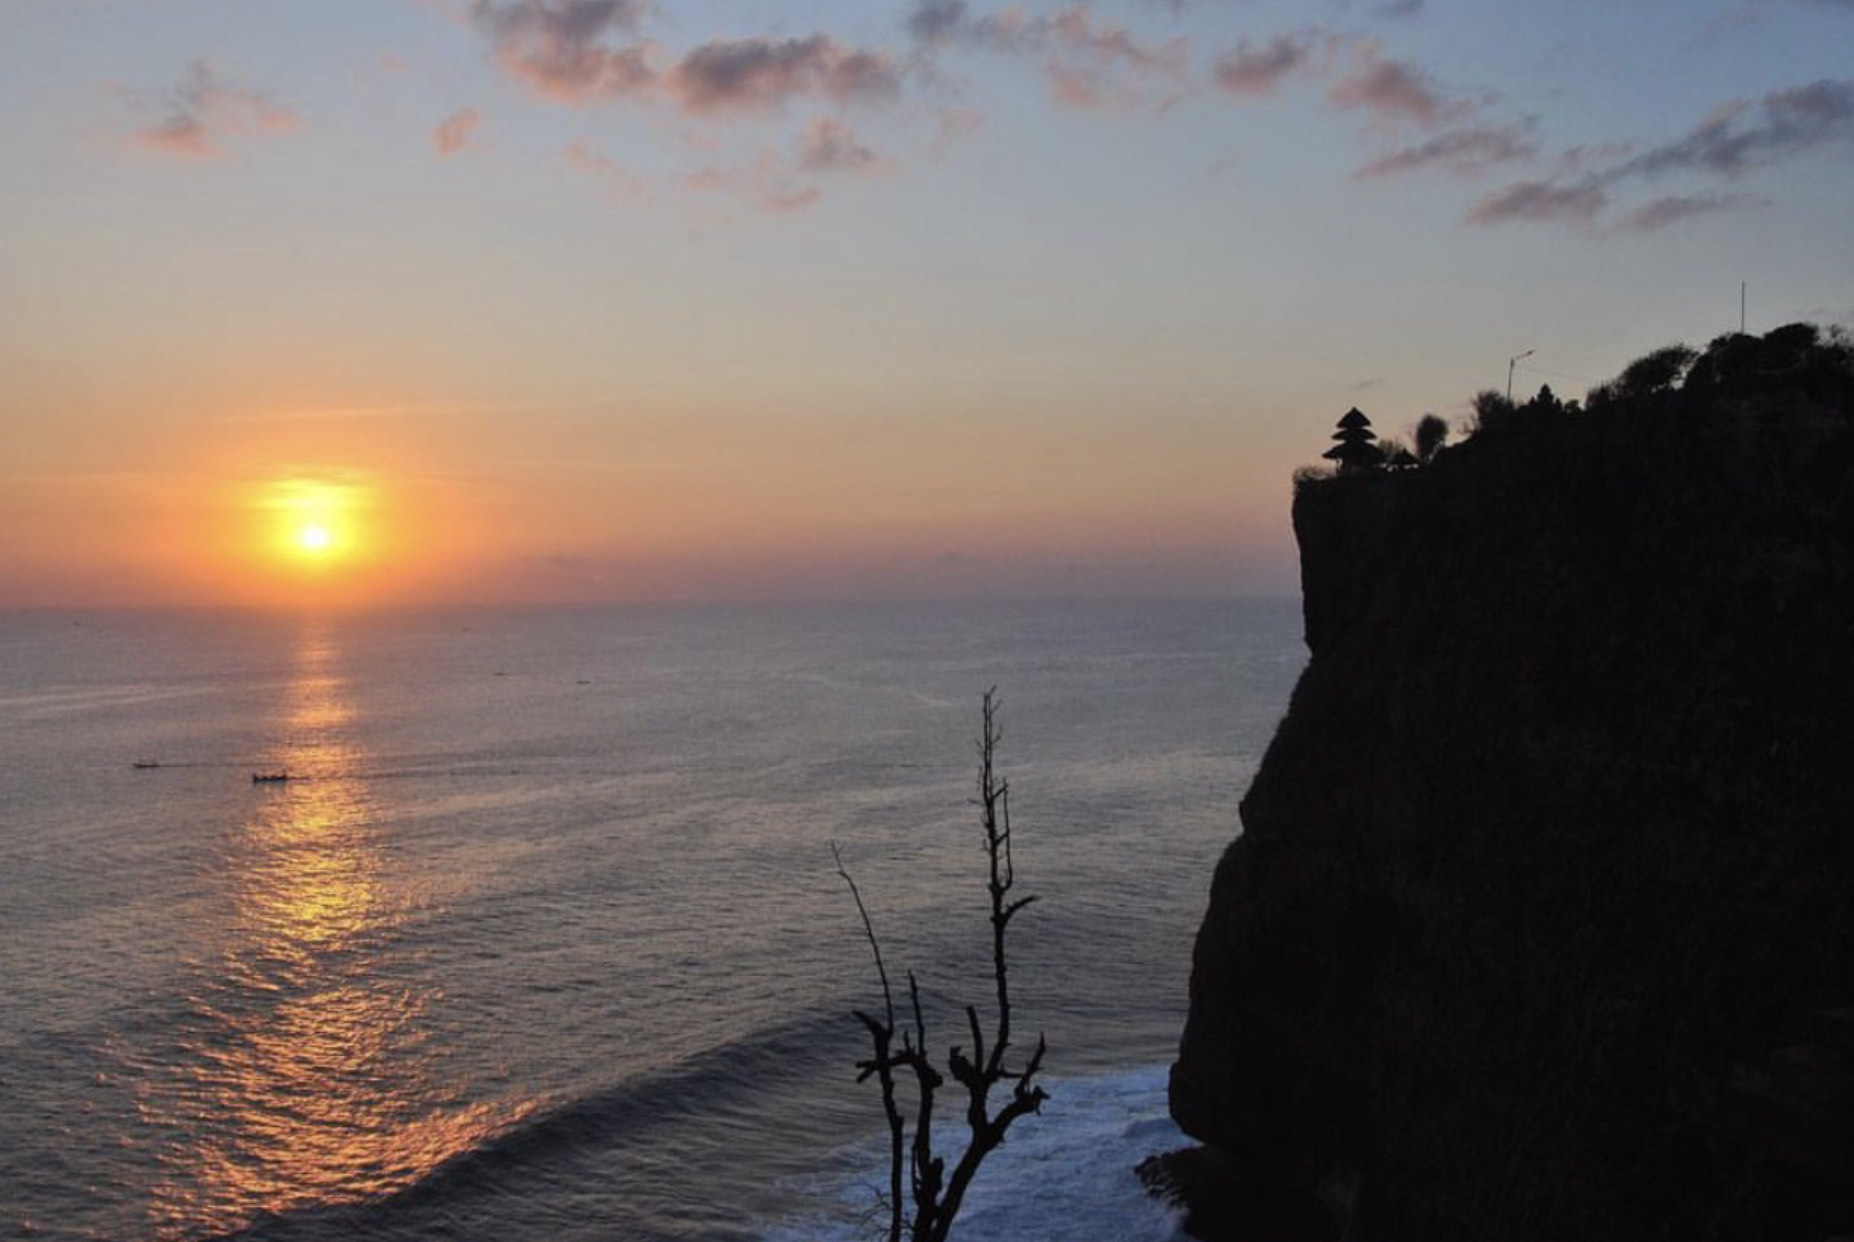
(1064, 1174)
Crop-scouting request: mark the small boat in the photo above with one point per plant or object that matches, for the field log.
(269, 778)
(145, 763)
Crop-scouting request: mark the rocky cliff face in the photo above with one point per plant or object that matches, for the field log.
(1551, 862)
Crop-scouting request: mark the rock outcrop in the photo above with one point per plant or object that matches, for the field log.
(1552, 858)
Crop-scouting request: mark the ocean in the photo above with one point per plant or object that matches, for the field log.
(543, 940)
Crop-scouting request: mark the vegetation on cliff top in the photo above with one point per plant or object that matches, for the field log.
(1799, 373)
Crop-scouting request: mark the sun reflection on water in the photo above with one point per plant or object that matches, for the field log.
(310, 1074)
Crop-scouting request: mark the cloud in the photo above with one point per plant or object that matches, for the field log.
(619, 185)
(799, 199)
(205, 109)
(760, 74)
(1540, 200)
(829, 146)
(1740, 136)
(1392, 90)
(938, 21)
(582, 51)
(456, 133)
(1734, 140)
(1398, 8)
(769, 183)
(953, 125)
(1092, 64)
(1258, 69)
(1463, 152)
(1088, 63)
(558, 47)
(1674, 208)
(942, 23)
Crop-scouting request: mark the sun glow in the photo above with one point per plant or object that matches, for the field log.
(316, 522)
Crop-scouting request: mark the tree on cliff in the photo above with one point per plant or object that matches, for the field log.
(1431, 435)
(935, 1195)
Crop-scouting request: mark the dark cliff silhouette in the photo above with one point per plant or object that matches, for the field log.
(1541, 922)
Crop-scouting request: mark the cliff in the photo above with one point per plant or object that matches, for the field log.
(1546, 882)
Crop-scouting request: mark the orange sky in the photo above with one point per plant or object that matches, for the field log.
(919, 297)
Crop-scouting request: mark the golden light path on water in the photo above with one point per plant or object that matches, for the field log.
(311, 1076)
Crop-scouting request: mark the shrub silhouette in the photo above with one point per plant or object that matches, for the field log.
(1431, 435)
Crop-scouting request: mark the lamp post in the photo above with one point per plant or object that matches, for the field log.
(1510, 364)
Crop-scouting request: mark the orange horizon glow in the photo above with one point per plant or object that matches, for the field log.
(344, 511)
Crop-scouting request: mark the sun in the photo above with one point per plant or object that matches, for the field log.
(314, 520)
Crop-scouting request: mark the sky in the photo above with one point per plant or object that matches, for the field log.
(387, 302)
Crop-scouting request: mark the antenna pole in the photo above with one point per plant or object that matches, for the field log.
(1741, 308)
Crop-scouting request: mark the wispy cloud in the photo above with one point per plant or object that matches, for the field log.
(584, 51)
(1088, 63)
(205, 109)
(560, 48)
(761, 73)
(770, 183)
(1540, 200)
(939, 21)
(1734, 140)
(828, 146)
(619, 184)
(1673, 208)
(1094, 64)
(1740, 136)
(1260, 68)
(945, 23)
(1393, 90)
(1463, 152)
(456, 132)
(953, 125)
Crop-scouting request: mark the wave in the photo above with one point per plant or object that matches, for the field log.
(1064, 1173)
(725, 1090)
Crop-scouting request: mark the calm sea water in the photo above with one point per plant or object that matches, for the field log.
(545, 943)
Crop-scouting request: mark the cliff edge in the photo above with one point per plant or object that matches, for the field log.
(1545, 887)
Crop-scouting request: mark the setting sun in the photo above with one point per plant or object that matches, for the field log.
(317, 523)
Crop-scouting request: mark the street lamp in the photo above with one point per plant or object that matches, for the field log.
(1510, 364)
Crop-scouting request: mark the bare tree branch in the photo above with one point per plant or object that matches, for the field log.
(937, 1196)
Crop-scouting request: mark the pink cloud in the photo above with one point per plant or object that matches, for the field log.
(953, 125)
(1673, 208)
(1251, 69)
(760, 74)
(1093, 64)
(828, 146)
(1739, 136)
(1540, 200)
(801, 199)
(1087, 62)
(1391, 90)
(1463, 152)
(618, 183)
(456, 133)
(559, 48)
(767, 184)
(205, 109)
(1732, 141)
